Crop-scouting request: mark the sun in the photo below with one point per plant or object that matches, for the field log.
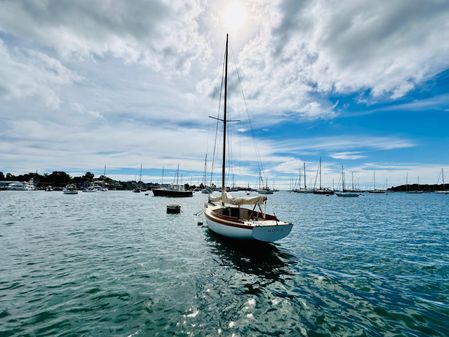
(234, 16)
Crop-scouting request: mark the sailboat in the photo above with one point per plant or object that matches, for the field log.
(206, 189)
(263, 189)
(343, 192)
(225, 214)
(103, 188)
(444, 187)
(418, 190)
(321, 190)
(300, 189)
(353, 187)
(374, 190)
(173, 191)
(294, 189)
(138, 189)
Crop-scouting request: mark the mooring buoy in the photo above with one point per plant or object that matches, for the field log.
(173, 209)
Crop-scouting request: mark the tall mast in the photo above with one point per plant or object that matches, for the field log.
(305, 181)
(374, 174)
(342, 180)
(162, 182)
(320, 173)
(140, 177)
(352, 180)
(223, 169)
(442, 176)
(205, 171)
(177, 176)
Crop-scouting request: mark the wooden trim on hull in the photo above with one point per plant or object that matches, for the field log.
(227, 223)
(229, 231)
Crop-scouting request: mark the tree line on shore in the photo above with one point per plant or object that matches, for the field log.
(59, 179)
(416, 187)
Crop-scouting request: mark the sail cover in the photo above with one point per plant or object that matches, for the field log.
(229, 199)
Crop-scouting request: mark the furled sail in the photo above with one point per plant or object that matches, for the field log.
(229, 199)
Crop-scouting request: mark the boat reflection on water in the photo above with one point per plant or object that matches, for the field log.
(251, 257)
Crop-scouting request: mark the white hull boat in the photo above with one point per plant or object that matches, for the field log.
(225, 214)
(22, 186)
(90, 190)
(70, 189)
(242, 223)
(264, 191)
(344, 193)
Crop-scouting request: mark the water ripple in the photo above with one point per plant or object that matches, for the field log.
(115, 264)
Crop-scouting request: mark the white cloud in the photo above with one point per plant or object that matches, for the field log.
(289, 166)
(164, 36)
(299, 51)
(347, 155)
(303, 51)
(28, 73)
(37, 144)
(339, 143)
(385, 47)
(437, 102)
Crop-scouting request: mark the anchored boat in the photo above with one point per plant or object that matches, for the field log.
(70, 189)
(174, 191)
(225, 214)
(344, 193)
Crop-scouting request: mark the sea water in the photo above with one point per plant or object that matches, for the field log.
(115, 264)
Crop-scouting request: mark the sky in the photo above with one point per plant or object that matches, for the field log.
(361, 84)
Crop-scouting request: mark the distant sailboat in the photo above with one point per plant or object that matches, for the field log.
(206, 189)
(444, 187)
(418, 190)
(343, 192)
(300, 189)
(103, 188)
(321, 190)
(174, 191)
(374, 190)
(263, 189)
(138, 189)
